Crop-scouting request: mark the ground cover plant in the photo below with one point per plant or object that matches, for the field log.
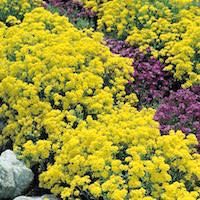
(96, 117)
(170, 28)
(152, 83)
(53, 66)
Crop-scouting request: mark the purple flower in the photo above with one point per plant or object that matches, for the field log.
(73, 9)
(180, 111)
(151, 83)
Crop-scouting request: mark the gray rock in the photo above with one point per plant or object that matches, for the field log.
(15, 177)
(49, 197)
(27, 198)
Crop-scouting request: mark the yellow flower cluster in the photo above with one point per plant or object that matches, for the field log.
(36, 152)
(94, 4)
(53, 76)
(171, 28)
(16, 8)
(122, 156)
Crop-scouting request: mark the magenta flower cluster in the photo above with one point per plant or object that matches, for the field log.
(181, 111)
(73, 10)
(151, 83)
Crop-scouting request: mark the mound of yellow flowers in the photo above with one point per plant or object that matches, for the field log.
(65, 108)
(120, 156)
(170, 27)
(53, 76)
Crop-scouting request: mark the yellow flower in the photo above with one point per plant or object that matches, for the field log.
(95, 189)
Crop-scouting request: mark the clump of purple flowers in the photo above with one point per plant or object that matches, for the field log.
(75, 11)
(181, 111)
(151, 83)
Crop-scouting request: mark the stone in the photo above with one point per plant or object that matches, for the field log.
(44, 197)
(15, 177)
(27, 198)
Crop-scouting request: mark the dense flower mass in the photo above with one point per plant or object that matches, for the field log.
(151, 82)
(171, 28)
(57, 71)
(111, 158)
(181, 111)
